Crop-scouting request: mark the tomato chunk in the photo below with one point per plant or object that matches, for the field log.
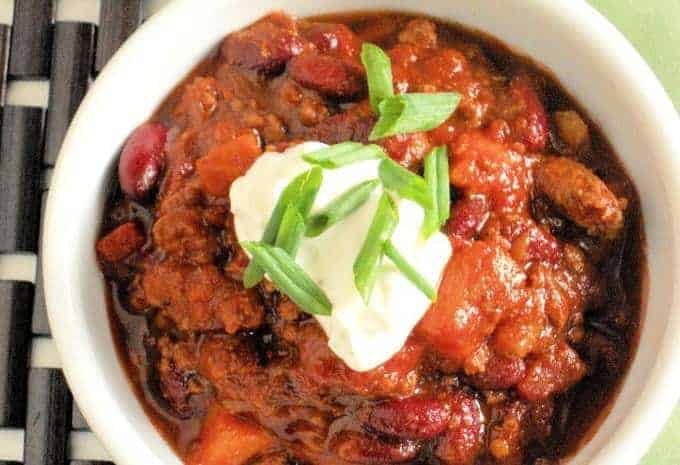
(226, 162)
(226, 439)
(120, 243)
(481, 283)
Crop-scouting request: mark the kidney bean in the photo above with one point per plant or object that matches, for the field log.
(358, 447)
(142, 159)
(462, 442)
(327, 75)
(531, 125)
(468, 217)
(265, 46)
(500, 373)
(412, 417)
(333, 39)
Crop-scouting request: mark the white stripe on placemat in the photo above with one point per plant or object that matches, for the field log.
(85, 11)
(6, 11)
(12, 445)
(84, 445)
(28, 93)
(44, 353)
(18, 267)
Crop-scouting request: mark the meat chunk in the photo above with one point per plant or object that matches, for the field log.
(581, 196)
(232, 366)
(120, 243)
(354, 124)
(571, 128)
(551, 372)
(421, 32)
(178, 376)
(182, 235)
(327, 75)
(265, 46)
(481, 284)
(227, 439)
(200, 298)
(323, 369)
(462, 442)
(299, 108)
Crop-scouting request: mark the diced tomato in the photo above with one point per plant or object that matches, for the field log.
(120, 243)
(226, 439)
(481, 283)
(226, 162)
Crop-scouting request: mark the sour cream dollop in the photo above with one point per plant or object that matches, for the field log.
(363, 336)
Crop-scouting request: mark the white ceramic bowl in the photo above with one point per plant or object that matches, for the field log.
(587, 54)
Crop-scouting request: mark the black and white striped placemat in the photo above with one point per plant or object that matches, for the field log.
(50, 51)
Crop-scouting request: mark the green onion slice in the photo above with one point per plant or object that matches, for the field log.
(340, 208)
(378, 74)
(437, 179)
(301, 192)
(443, 184)
(405, 183)
(289, 277)
(343, 154)
(409, 271)
(367, 263)
(291, 230)
(401, 114)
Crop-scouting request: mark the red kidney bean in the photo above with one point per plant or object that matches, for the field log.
(462, 442)
(467, 217)
(531, 125)
(327, 75)
(358, 447)
(142, 159)
(412, 417)
(500, 373)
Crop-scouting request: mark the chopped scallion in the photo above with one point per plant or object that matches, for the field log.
(291, 230)
(340, 208)
(406, 113)
(437, 179)
(301, 192)
(368, 261)
(405, 183)
(408, 270)
(343, 154)
(289, 278)
(378, 74)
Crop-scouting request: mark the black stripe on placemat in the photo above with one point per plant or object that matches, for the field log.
(20, 161)
(40, 324)
(15, 333)
(72, 59)
(31, 38)
(78, 421)
(5, 36)
(47, 424)
(117, 20)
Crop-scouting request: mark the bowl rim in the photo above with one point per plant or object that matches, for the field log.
(652, 406)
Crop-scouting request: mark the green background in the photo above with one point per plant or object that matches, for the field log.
(653, 26)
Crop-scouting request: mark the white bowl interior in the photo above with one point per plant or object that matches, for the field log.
(586, 53)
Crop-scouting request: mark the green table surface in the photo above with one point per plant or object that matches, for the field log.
(653, 26)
